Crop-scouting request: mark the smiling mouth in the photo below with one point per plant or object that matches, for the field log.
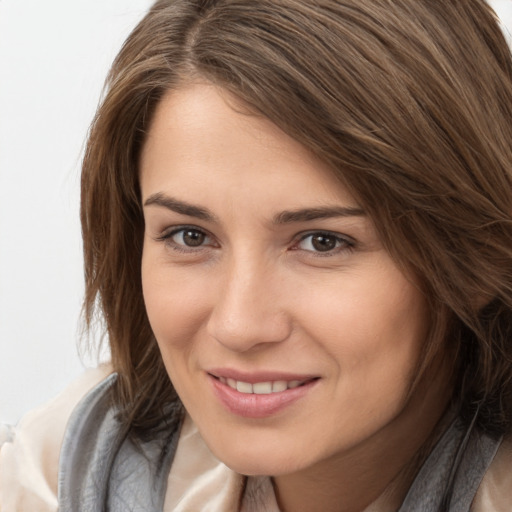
(262, 388)
(263, 397)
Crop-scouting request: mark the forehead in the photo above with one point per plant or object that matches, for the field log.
(201, 136)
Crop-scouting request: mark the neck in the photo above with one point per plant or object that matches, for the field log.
(380, 468)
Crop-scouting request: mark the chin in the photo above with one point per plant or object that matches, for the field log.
(255, 459)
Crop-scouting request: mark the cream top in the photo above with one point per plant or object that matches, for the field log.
(29, 460)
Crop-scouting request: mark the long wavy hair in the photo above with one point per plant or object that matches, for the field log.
(408, 101)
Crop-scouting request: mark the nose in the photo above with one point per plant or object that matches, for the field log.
(249, 309)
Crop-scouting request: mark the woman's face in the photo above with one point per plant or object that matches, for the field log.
(287, 330)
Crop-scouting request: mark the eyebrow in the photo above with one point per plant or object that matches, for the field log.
(284, 217)
(307, 214)
(181, 207)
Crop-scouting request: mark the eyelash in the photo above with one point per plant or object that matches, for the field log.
(167, 239)
(342, 243)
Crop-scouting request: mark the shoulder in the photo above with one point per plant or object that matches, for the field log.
(495, 491)
(29, 459)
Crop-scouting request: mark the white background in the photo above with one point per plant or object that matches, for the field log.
(54, 55)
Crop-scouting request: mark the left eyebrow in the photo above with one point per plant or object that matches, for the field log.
(307, 214)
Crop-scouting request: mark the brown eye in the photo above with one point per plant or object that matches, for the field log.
(321, 242)
(193, 238)
(189, 237)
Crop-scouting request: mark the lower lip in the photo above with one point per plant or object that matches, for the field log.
(252, 405)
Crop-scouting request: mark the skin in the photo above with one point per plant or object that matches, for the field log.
(257, 294)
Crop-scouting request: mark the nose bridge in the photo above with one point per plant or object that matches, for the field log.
(249, 309)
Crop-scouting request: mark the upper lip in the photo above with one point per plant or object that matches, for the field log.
(259, 376)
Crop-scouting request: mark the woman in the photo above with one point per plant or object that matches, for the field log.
(299, 214)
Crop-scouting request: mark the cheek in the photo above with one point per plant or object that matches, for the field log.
(373, 329)
(375, 344)
(175, 309)
(389, 345)
(175, 305)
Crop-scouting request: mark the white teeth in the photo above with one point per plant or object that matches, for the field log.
(243, 387)
(260, 388)
(279, 385)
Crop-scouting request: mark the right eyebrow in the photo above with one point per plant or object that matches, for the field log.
(181, 207)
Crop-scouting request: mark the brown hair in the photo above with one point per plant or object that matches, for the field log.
(409, 101)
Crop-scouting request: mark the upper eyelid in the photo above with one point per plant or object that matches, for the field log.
(335, 234)
(172, 230)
